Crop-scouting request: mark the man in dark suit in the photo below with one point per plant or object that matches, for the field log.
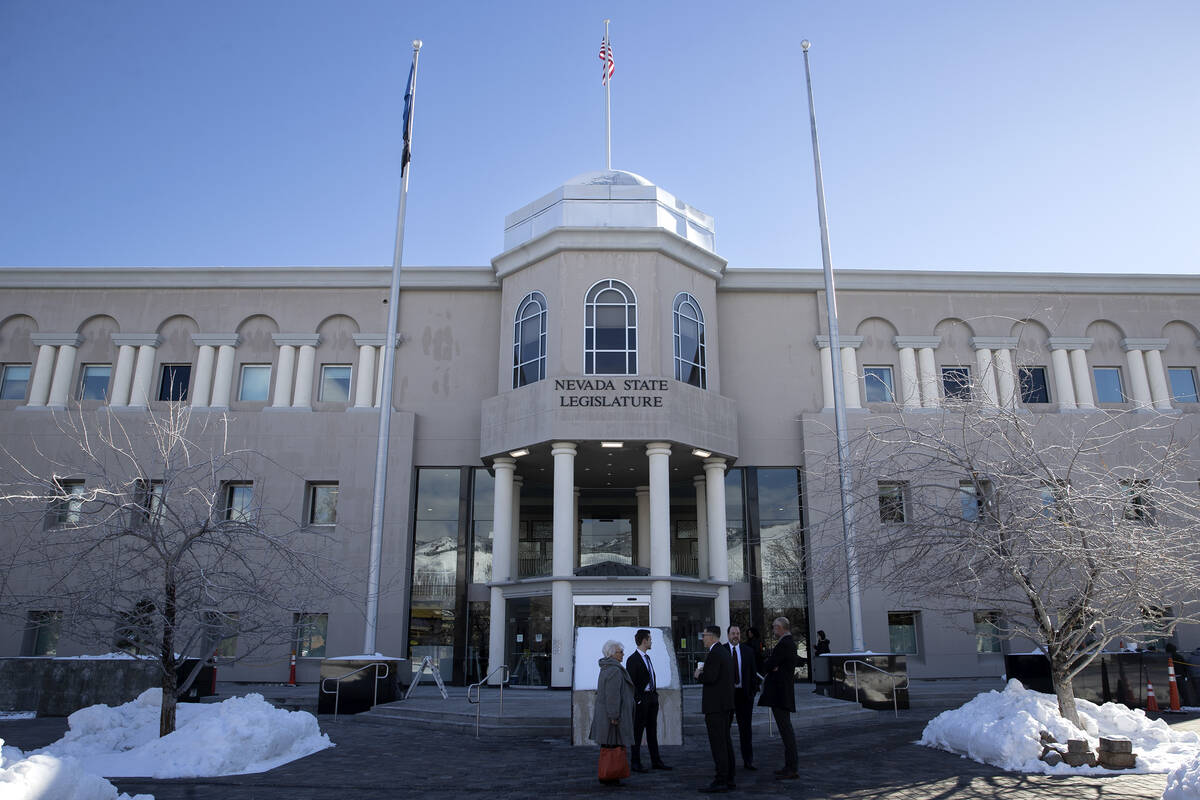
(716, 701)
(645, 698)
(745, 686)
(779, 693)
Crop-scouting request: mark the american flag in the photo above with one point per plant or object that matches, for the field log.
(606, 55)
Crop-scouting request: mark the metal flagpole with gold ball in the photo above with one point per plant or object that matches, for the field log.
(606, 55)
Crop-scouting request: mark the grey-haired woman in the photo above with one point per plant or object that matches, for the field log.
(612, 713)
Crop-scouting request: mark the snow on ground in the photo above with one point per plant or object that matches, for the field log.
(43, 777)
(1001, 729)
(238, 736)
(17, 714)
(1184, 782)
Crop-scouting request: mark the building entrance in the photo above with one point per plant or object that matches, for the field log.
(617, 611)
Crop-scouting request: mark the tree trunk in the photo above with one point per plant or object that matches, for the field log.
(166, 717)
(1064, 690)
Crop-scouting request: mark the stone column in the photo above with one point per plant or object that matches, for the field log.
(202, 388)
(997, 375)
(910, 391)
(850, 376)
(43, 370)
(1160, 390)
(643, 520)
(927, 374)
(513, 567)
(223, 378)
(826, 376)
(143, 373)
(562, 653)
(64, 371)
(123, 374)
(1007, 380)
(659, 455)
(502, 549)
(701, 526)
(305, 368)
(284, 374)
(1139, 376)
(364, 397)
(1063, 386)
(379, 376)
(718, 548)
(986, 379)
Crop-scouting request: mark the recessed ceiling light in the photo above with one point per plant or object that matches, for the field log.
(524, 451)
(612, 444)
(698, 453)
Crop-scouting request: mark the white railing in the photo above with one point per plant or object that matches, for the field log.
(337, 688)
(503, 668)
(896, 683)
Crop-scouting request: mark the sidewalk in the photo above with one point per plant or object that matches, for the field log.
(869, 760)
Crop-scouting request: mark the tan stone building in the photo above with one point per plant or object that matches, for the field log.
(596, 429)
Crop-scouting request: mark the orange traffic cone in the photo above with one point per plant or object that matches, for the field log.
(1151, 701)
(1173, 686)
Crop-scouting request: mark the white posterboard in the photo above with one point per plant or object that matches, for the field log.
(589, 643)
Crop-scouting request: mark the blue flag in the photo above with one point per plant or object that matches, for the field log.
(406, 156)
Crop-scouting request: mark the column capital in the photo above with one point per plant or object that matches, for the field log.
(714, 463)
(504, 462)
(1070, 342)
(917, 342)
(658, 449)
(136, 339)
(56, 339)
(563, 449)
(642, 490)
(375, 339)
(1144, 344)
(994, 342)
(216, 339)
(853, 342)
(699, 480)
(296, 339)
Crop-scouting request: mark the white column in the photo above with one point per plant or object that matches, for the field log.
(39, 390)
(284, 376)
(701, 527)
(143, 376)
(513, 569)
(502, 548)
(827, 377)
(850, 382)
(1006, 381)
(929, 378)
(1084, 398)
(305, 364)
(643, 519)
(223, 379)
(1160, 390)
(718, 548)
(379, 377)
(122, 375)
(64, 371)
(1063, 386)
(562, 651)
(986, 380)
(659, 456)
(364, 397)
(1139, 381)
(910, 392)
(202, 388)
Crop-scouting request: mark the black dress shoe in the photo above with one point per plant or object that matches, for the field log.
(750, 767)
(787, 776)
(715, 788)
(638, 768)
(660, 765)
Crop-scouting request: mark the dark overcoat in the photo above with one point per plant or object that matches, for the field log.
(717, 677)
(779, 676)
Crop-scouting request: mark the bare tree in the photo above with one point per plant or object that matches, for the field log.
(147, 532)
(1070, 531)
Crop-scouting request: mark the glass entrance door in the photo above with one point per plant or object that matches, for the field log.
(612, 611)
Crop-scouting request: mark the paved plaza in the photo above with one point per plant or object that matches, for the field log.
(862, 759)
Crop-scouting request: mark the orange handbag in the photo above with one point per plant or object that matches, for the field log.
(614, 763)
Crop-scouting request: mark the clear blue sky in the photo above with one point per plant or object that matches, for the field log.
(1007, 135)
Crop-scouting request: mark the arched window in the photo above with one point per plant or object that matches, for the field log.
(610, 330)
(529, 340)
(690, 364)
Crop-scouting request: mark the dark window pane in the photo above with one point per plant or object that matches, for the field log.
(587, 364)
(14, 382)
(956, 382)
(878, 382)
(1033, 385)
(610, 338)
(610, 363)
(632, 339)
(174, 383)
(633, 363)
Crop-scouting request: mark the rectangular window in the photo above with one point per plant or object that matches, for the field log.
(93, 381)
(239, 501)
(41, 633)
(223, 628)
(902, 631)
(67, 508)
(1108, 385)
(974, 496)
(311, 630)
(879, 384)
(891, 501)
(14, 381)
(483, 500)
(956, 383)
(441, 499)
(255, 386)
(335, 383)
(1138, 507)
(174, 383)
(149, 501)
(322, 503)
(1055, 496)
(987, 632)
(1034, 388)
(1183, 384)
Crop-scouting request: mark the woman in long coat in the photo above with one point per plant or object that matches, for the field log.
(612, 713)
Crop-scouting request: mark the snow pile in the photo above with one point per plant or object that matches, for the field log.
(1001, 729)
(40, 777)
(238, 736)
(1184, 782)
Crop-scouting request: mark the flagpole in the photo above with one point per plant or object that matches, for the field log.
(839, 396)
(607, 105)
(388, 353)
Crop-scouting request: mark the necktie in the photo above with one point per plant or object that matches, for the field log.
(649, 667)
(737, 668)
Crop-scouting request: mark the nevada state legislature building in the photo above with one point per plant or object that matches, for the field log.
(607, 426)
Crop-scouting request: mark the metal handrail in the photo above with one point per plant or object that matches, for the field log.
(478, 705)
(895, 684)
(337, 689)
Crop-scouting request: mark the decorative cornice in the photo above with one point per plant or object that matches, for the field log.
(56, 339)
(654, 240)
(743, 279)
(216, 339)
(854, 342)
(1144, 344)
(1070, 342)
(136, 339)
(994, 342)
(223, 278)
(296, 339)
(917, 342)
(375, 339)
